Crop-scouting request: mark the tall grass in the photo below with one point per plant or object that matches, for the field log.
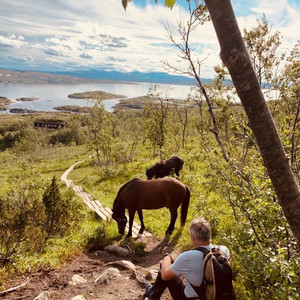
(55, 250)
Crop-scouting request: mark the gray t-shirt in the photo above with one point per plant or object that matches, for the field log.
(189, 265)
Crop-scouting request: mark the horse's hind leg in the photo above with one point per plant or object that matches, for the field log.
(140, 213)
(171, 227)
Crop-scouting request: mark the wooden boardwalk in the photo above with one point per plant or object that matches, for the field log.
(95, 205)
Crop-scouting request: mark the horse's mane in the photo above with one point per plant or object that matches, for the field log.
(121, 189)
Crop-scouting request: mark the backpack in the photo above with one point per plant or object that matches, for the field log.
(217, 276)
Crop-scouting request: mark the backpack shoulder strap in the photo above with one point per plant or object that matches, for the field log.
(204, 250)
(200, 289)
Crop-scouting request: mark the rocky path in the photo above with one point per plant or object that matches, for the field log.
(101, 275)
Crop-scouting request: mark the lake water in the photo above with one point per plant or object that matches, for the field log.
(51, 95)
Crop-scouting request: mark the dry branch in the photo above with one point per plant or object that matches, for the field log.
(14, 288)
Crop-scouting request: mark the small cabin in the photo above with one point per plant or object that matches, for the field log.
(50, 123)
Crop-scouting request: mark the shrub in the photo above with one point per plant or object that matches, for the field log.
(60, 212)
(21, 216)
(99, 238)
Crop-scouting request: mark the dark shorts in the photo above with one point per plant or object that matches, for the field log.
(175, 286)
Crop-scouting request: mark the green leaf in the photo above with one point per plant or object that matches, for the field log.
(170, 3)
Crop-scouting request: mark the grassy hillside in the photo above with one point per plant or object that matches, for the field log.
(236, 196)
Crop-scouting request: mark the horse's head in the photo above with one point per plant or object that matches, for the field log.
(121, 221)
(149, 173)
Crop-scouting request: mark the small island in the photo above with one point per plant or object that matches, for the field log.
(21, 111)
(142, 101)
(27, 99)
(4, 103)
(96, 95)
(134, 103)
(73, 108)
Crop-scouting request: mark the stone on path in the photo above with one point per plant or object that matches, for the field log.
(118, 250)
(43, 296)
(124, 263)
(109, 274)
(78, 297)
(77, 280)
(142, 275)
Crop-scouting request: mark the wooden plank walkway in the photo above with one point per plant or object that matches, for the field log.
(104, 213)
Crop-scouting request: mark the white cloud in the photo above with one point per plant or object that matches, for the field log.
(100, 34)
(282, 16)
(12, 41)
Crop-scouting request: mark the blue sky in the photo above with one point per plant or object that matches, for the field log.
(69, 35)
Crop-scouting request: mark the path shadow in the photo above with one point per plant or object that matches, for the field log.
(167, 245)
(152, 256)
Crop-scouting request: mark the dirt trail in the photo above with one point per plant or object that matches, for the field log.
(90, 265)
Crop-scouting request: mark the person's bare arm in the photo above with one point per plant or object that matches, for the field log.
(166, 271)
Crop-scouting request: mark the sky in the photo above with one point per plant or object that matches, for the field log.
(66, 35)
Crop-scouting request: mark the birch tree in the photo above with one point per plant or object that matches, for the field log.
(236, 58)
(234, 55)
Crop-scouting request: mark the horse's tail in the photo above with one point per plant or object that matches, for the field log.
(185, 206)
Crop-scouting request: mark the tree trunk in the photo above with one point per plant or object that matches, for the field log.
(236, 59)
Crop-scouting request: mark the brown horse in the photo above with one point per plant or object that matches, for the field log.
(138, 194)
(165, 167)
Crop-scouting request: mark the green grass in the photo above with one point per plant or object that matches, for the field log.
(58, 251)
(103, 185)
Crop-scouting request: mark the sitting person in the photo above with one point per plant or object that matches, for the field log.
(188, 264)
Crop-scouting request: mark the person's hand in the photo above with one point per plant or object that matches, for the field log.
(167, 254)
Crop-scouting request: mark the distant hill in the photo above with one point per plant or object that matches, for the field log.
(153, 77)
(83, 76)
(18, 76)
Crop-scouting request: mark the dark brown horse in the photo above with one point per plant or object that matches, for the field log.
(165, 167)
(138, 194)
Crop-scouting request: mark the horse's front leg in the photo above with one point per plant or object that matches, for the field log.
(140, 213)
(131, 218)
(171, 227)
